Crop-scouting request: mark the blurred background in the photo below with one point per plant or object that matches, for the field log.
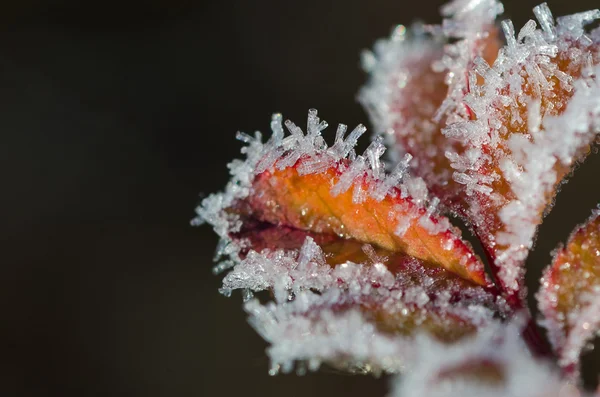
(115, 119)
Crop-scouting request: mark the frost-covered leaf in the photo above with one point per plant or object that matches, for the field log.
(494, 362)
(346, 199)
(352, 305)
(514, 124)
(300, 182)
(356, 259)
(569, 297)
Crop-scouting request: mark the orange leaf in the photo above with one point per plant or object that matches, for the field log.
(314, 202)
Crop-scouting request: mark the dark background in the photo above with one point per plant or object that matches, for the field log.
(114, 117)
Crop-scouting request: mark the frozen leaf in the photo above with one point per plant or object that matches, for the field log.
(342, 302)
(539, 112)
(569, 297)
(511, 127)
(494, 362)
(326, 202)
(346, 250)
(298, 181)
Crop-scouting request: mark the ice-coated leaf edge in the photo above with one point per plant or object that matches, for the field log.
(570, 335)
(345, 340)
(263, 156)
